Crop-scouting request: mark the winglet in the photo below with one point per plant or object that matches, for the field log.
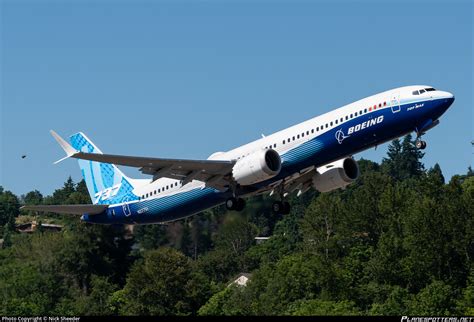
(70, 151)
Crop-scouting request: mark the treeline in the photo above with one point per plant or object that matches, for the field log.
(399, 241)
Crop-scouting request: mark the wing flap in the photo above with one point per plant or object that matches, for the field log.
(69, 209)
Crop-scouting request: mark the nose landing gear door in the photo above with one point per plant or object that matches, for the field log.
(395, 102)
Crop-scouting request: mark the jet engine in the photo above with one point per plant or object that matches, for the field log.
(257, 167)
(335, 175)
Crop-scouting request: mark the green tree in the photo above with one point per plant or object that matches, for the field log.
(321, 227)
(230, 301)
(295, 277)
(9, 208)
(157, 285)
(98, 301)
(435, 299)
(150, 236)
(320, 307)
(397, 303)
(33, 198)
(465, 305)
(403, 159)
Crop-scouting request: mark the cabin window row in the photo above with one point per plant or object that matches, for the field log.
(327, 125)
(159, 190)
(335, 122)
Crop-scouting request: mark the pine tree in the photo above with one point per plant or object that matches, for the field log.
(403, 159)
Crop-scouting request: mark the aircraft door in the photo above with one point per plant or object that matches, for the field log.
(395, 102)
(126, 207)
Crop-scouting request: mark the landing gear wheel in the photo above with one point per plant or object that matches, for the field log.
(231, 203)
(421, 145)
(240, 205)
(286, 208)
(277, 207)
(237, 204)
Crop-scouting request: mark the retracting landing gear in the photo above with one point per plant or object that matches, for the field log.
(420, 144)
(237, 204)
(281, 207)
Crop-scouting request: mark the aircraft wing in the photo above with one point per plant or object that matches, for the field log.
(215, 173)
(68, 209)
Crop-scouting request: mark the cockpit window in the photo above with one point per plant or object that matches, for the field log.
(422, 91)
(430, 89)
(415, 93)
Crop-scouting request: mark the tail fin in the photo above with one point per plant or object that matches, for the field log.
(105, 182)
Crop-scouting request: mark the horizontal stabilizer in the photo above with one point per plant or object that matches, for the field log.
(70, 151)
(69, 209)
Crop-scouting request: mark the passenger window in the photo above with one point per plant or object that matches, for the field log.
(336, 121)
(275, 145)
(355, 114)
(307, 132)
(331, 123)
(317, 129)
(347, 117)
(283, 141)
(302, 135)
(312, 130)
(293, 138)
(298, 136)
(327, 125)
(167, 187)
(342, 119)
(365, 110)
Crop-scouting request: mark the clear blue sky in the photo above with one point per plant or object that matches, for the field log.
(185, 79)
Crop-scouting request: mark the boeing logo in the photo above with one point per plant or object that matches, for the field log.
(364, 125)
(340, 136)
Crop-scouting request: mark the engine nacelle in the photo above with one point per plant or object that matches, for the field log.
(335, 175)
(257, 167)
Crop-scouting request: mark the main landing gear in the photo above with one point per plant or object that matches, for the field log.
(237, 204)
(281, 207)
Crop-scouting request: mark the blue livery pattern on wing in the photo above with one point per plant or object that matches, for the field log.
(106, 184)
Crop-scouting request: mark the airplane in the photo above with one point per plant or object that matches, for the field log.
(315, 153)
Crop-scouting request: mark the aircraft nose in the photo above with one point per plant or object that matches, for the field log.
(449, 97)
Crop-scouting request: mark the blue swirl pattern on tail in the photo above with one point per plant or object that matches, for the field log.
(107, 185)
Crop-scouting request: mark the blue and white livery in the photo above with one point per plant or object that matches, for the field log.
(315, 153)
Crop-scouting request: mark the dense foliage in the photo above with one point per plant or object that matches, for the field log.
(400, 240)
